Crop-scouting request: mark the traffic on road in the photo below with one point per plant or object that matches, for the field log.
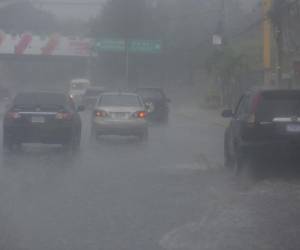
(149, 125)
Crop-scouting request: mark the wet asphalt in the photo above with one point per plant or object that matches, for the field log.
(119, 194)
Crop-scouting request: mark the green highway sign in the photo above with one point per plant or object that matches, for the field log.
(133, 46)
(144, 46)
(110, 45)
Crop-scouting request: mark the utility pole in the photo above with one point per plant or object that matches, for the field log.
(267, 33)
(127, 63)
(280, 9)
(279, 40)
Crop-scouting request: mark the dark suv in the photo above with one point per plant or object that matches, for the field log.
(265, 124)
(42, 117)
(156, 102)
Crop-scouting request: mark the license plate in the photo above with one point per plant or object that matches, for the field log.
(294, 128)
(38, 119)
(119, 116)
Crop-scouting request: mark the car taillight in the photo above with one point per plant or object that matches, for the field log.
(100, 113)
(140, 114)
(255, 102)
(64, 116)
(254, 105)
(13, 115)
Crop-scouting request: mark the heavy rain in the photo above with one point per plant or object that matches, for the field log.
(149, 125)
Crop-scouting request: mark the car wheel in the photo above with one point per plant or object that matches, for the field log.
(245, 167)
(94, 137)
(73, 144)
(76, 142)
(228, 161)
(165, 119)
(8, 145)
(237, 164)
(144, 135)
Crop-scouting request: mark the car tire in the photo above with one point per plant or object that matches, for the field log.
(76, 142)
(228, 161)
(73, 144)
(143, 136)
(8, 145)
(246, 168)
(94, 137)
(165, 119)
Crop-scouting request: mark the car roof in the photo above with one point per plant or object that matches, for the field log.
(95, 88)
(40, 92)
(81, 80)
(150, 88)
(273, 91)
(120, 93)
(40, 95)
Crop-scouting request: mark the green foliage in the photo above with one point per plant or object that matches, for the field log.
(227, 64)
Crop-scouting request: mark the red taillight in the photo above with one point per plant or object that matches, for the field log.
(64, 116)
(255, 102)
(141, 114)
(254, 105)
(100, 113)
(13, 115)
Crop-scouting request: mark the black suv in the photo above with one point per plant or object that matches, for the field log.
(42, 117)
(156, 102)
(265, 124)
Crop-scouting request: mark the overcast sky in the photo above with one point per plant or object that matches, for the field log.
(86, 11)
(65, 8)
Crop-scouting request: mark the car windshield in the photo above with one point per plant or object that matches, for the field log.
(44, 101)
(282, 105)
(150, 93)
(120, 100)
(78, 86)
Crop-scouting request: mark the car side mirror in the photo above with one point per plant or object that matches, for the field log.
(81, 108)
(227, 113)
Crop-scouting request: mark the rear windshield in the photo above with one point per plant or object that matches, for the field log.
(150, 93)
(93, 92)
(273, 105)
(78, 86)
(120, 100)
(45, 101)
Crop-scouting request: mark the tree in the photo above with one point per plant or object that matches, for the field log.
(123, 18)
(184, 27)
(23, 16)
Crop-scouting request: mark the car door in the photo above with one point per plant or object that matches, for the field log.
(238, 121)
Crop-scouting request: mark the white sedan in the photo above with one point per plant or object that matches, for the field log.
(120, 114)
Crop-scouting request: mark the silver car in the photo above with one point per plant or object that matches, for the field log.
(120, 114)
